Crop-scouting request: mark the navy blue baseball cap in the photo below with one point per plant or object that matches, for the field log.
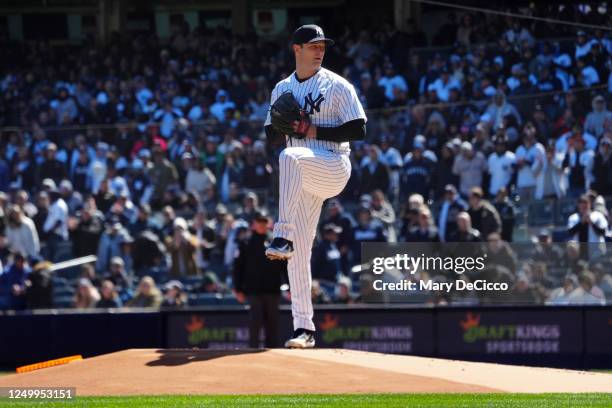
(310, 33)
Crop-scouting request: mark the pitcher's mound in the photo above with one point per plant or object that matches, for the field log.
(155, 372)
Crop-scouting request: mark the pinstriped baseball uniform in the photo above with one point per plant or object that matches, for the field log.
(311, 171)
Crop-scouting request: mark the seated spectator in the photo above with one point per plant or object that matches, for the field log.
(500, 253)
(174, 296)
(383, 212)
(318, 294)
(546, 251)
(587, 226)
(147, 294)
(596, 120)
(87, 296)
(120, 279)
(507, 214)
(367, 230)
(342, 293)
(109, 298)
(585, 293)
(449, 209)
(464, 231)
(559, 295)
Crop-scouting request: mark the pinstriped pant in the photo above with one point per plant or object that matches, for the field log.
(307, 178)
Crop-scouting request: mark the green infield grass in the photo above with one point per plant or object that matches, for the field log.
(352, 401)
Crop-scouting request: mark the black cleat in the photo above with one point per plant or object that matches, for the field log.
(301, 339)
(280, 249)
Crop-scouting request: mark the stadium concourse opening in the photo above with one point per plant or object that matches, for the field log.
(137, 371)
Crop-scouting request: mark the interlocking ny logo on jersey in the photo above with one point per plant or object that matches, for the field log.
(311, 105)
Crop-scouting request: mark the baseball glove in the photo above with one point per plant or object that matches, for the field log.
(284, 112)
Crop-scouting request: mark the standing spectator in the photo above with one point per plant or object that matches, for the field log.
(21, 233)
(450, 208)
(417, 173)
(470, 167)
(424, 231)
(383, 211)
(118, 276)
(392, 82)
(182, 247)
(530, 157)
(221, 105)
(484, 216)
(587, 226)
(507, 213)
(325, 263)
(579, 162)
(13, 283)
(499, 108)
(367, 230)
(500, 166)
(464, 231)
(602, 166)
(147, 294)
(372, 96)
(56, 224)
(199, 177)
(51, 167)
(336, 215)
(374, 174)
(163, 174)
(109, 245)
(552, 180)
(109, 298)
(258, 279)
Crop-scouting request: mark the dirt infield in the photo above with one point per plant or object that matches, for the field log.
(156, 372)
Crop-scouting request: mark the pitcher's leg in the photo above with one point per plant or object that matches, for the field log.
(290, 187)
(300, 280)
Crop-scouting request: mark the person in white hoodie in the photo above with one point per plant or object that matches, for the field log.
(551, 181)
(21, 234)
(530, 157)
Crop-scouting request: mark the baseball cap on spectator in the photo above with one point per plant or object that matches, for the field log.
(220, 209)
(116, 260)
(220, 93)
(186, 156)
(499, 60)
(366, 76)
(466, 146)
(310, 33)
(544, 233)
(102, 146)
(449, 188)
(331, 227)
(137, 164)
(261, 215)
(418, 145)
(173, 284)
(49, 185)
(333, 203)
(65, 185)
(366, 200)
(181, 223)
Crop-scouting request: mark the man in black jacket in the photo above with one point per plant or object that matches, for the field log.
(259, 279)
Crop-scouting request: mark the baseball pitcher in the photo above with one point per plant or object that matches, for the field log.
(318, 113)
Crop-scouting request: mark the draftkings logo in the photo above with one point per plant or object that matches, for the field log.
(199, 334)
(511, 338)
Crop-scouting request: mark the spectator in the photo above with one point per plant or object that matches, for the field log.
(52, 168)
(258, 279)
(87, 296)
(500, 166)
(175, 296)
(325, 261)
(109, 298)
(367, 230)
(507, 214)
(559, 295)
(56, 224)
(147, 294)
(579, 162)
(383, 212)
(110, 244)
(417, 172)
(182, 248)
(13, 283)
(551, 181)
(449, 209)
(602, 166)
(464, 231)
(530, 157)
(584, 294)
(500, 253)
(21, 233)
(392, 82)
(424, 231)
(587, 226)
(374, 173)
(499, 108)
(483, 215)
(163, 174)
(470, 167)
(342, 293)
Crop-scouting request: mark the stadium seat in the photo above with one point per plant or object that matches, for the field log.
(566, 207)
(204, 299)
(63, 302)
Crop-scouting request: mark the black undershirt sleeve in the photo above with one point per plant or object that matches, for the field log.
(273, 136)
(349, 131)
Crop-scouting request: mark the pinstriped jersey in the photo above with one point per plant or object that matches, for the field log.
(330, 101)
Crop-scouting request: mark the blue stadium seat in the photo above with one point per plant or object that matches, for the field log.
(60, 292)
(204, 299)
(63, 302)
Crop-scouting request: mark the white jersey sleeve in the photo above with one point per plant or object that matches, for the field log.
(348, 104)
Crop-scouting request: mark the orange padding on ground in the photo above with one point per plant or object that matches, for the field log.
(50, 363)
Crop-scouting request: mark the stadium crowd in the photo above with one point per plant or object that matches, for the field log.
(151, 156)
